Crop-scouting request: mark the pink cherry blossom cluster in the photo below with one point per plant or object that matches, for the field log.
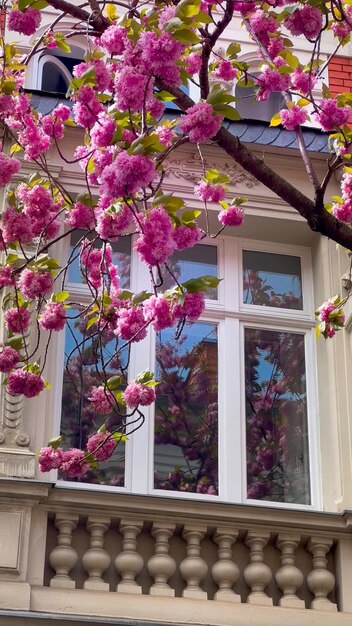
(208, 192)
(24, 22)
(53, 316)
(8, 359)
(137, 394)
(343, 210)
(295, 116)
(233, 216)
(307, 21)
(330, 114)
(200, 122)
(21, 381)
(331, 318)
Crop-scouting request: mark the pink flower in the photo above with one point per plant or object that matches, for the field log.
(200, 123)
(101, 445)
(331, 115)
(137, 394)
(81, 216)
(167, 13)
(34, 284)
(157, 311)
(113, 221)
(306, 21)
(49, 459)
(73, 463)
(159, 51)
(343, 212)
(346, 185)
(53, 316)
(87, 107)
(127, 174)
(325, 310)
(269, 81)
(302, 82)
(114, 40)
(156, 244)
(155, 107)
(233, 216)
(103, 79)
(40, 208)
(16, 226)
(192, 307)
(207, 192)
(17, 320)
(186, 236)
(166, 135)
(26, 22)
(103, 131)
(8, 168)
(225, 71)
(261, 24)
(24, 382)
(295, 116)
(6, 278)
(193, 63)
(131, 324)
(102, 399)
(132, 88)
(8, 359)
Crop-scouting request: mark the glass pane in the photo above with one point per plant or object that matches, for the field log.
(53, 79)
(186, 410)
(202, 260)
(79, 418)
(276, 417)
(272, 280)
(121, 256)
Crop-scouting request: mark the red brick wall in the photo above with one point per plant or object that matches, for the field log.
(340, 75)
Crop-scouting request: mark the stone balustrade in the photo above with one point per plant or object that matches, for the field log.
(155, 558)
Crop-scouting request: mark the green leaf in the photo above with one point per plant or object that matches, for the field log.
(15, 148)
(140, 297)
(86, 199)
(144, 377)
(227, 111)
(93, 320)
(62, 45)
(275, 120)
(188, 8)
(111, 12)
(61, 296)
(119, 397)
(201, 284)
(11, 258)
(114, 383)
(102, 429)
(15, 342)
(55, 442)
(186, 36)
(125, 295)
(164, 96)
(325, 91)
(119, 437)
(190, 216)
(233, 50)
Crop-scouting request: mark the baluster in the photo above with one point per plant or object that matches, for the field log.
(96, 560)
(64, 557)
(225, 572)
(193, 568)
(257, 574)
(320, 581)
(289, 578)
(161, 566)
(129, 563)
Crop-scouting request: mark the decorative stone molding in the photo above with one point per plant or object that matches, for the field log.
(190, 168)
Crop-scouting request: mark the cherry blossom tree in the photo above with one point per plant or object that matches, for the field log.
(139, 56)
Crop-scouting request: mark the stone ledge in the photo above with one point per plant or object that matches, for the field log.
(176, 610)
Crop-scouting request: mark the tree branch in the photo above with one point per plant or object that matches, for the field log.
(96, 20)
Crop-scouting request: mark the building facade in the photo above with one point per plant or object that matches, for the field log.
(219, 525)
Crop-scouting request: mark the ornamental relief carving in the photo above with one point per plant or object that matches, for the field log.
(191, 169)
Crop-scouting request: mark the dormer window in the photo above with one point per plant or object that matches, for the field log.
(55, 70)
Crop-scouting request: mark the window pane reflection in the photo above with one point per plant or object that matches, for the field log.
(192, 263)
(121, 257)
(79, 417)
(272, 280)
(276, 417)
(186, 415)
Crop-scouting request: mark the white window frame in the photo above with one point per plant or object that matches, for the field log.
(231, 316)
(50, 58)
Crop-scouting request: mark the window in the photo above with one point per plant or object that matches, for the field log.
(251, 109)
(54, 70)
(234, 416)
